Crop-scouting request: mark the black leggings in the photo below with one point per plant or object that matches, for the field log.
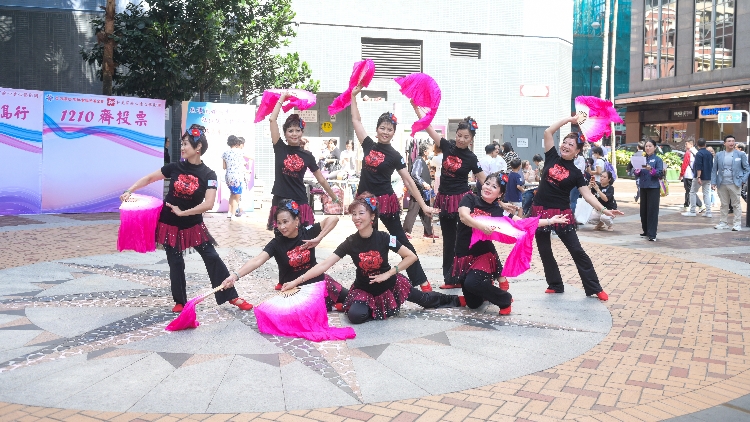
(359, 312)
(583, 262)
(478, 287)
(393, 224)
(217, 273)
(449, 228)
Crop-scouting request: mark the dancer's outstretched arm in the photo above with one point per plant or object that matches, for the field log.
(429, 129)
(249, 266)
(312, 272)
(142, 182)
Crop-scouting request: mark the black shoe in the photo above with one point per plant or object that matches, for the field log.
(269, 227)
(643, 235)
(652, 239)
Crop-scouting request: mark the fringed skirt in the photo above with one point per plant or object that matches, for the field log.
(183, 239)
(488, 263)
(386, 304)
(389, 205)
(448, 204)
(543, 213)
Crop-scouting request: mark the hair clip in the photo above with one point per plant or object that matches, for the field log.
(196, 133)
(473, 126)
(504, 179)
(372, 202)
(302, 124)
(293, 207)
(393, 118)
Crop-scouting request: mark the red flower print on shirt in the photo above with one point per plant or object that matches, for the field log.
(480, 213)
(452, 163)
(374, 158)
(298, 257)
(186, 184)
(558, 173)
(294, 163)
(370, 261)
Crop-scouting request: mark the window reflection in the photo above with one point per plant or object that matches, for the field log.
(660, 38)
(714, 34)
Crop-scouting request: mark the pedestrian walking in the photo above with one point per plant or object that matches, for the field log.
(730, 169)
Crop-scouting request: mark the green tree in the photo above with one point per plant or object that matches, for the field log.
(174, 49)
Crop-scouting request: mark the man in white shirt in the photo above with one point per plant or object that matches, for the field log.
(687, 174)
(493, 162)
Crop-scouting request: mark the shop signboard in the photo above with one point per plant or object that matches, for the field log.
(712, 112)
(682, 114)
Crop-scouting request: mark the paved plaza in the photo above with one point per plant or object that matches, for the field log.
(82, 334)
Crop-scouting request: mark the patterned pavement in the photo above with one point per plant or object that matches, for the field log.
(676, 346)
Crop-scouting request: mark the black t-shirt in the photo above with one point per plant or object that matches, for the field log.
(187, 189)
(291, 165)
(370, 256)
(609, 192)
(378, 164)
(293, 261)
(463, 233)
(457, 164)
(559, 177)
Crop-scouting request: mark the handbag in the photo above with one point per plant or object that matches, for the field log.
(663, 187)
(583, 211)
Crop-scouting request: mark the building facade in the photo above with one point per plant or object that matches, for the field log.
(689, 60)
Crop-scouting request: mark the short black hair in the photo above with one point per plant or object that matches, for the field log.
(537, 158)
(188, 136)
(468, 124)
(515, 163)
(729, 136)
(489, 148)
(701, 142)
(597, 150)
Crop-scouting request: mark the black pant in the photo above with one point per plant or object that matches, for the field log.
(688, 184)
(217, 273)
(449, 228)
(650, 198)
(359, 312)
(478, 287)
(583, 262)
(393, 225)
(411, 216)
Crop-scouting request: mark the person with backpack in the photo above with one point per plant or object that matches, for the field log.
(687, 174)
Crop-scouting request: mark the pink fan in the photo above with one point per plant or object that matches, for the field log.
(187, 318)
(361, 75)
(425, 93)
(519, 233)
(595, 116)
(300, 312)
(139, 216)
(300, 99)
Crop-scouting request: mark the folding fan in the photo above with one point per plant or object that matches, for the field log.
(139, 216)
(425, 93)
(519, 233)
(595, 117)
(300, 99)
(361, 75)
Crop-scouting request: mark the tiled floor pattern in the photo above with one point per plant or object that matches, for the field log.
(677, 346)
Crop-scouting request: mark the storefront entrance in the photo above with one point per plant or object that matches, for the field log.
(672, 133)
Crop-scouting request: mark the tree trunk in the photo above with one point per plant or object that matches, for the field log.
(108, 63)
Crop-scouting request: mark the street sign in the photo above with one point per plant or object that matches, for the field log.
(730, 117)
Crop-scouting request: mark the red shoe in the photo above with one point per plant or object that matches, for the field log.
(450, 286)
(462, 300)
(278, 287)
(339, 307)
(241, 303)
(602, 296)
(178, 308)
(426, 287)
(431, 236)
(408, 235)
(505, 311)
(551, 291)
(504, 285)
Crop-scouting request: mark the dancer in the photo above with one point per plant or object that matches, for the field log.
(294, 252)
(234, 164)
(476, 267)
(379, 162)
(192, 191)
(378, 290)
(291, 163)
(559, 176)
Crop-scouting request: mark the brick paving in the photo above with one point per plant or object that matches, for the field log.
(677, 343)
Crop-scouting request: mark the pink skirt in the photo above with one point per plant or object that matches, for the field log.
(306, 216)
(183, 239)
(389, 205)
(448, 204)
(488, 263)
(384, 305)
(542, 213)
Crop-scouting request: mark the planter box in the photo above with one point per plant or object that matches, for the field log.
(673, 175)
(622, 171)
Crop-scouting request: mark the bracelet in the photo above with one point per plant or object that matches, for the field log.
(236, 274)
(396, 267)
(549, 222)
(128, 191)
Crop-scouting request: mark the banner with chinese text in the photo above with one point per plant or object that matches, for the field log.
(21, 150)
(97, 146)
(222, 120)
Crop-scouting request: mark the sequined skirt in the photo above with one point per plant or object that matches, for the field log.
(384, 305)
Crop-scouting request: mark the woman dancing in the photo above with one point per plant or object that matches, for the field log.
(379, 162)
(559, 177)
(192, 191)
(477, 266)
(378, 290)
(291, 163)
(294, 252)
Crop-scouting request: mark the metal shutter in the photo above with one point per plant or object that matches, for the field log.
(468, 50)
(393, 58)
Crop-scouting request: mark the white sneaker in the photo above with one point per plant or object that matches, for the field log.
(689, 214)
(721, 226)
(702, 209)
(708, 214)
(736, 228)
(686, 209)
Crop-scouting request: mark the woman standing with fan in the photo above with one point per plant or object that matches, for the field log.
(291, 163)
(192, 191)
(559, 177)
(475, 267)
(378, 290)
(294, 252)
(379, 162)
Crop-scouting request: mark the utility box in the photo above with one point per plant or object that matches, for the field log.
(527, 141)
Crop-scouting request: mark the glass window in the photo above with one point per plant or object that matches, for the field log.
(659, 38)
(714, 34)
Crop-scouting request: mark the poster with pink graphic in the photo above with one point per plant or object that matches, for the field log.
(21, 151)
(97, 146)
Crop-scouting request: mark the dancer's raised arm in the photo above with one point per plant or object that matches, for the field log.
(429, 129)
(275, 134)
(359, 128)
(549, 134)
